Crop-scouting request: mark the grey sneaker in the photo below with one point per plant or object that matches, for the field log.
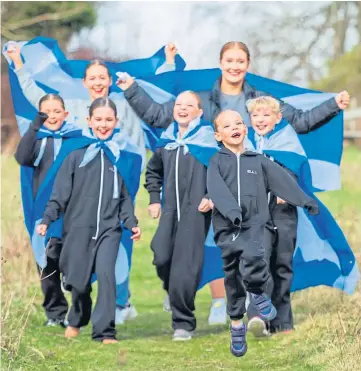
(258, 327)
(182, 335)
(166, 304)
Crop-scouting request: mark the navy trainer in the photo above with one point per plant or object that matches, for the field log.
(264, 307)
(238, 341)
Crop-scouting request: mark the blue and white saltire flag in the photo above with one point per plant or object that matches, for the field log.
(127, 159)
(47, 70)
(315, 157)
(324, 155)
(322, 255)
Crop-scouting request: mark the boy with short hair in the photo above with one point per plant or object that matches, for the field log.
(272, 134)
(238, 182)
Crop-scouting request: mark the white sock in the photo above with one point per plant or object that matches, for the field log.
(219, 300)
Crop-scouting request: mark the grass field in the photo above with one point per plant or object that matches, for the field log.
(327, 337)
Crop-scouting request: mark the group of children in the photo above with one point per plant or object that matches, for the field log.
(235, 185)
(201, 172)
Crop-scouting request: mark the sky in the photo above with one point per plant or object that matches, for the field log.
(199, 29)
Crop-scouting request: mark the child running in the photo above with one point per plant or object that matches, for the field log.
(238, 182)
(36, 152)
(178, 170)
(93, 196)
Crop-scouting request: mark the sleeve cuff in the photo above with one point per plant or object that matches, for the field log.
(131, 223)
(131, 91)
(39, 120)
(235, 216)
(46, 220)
(154, 197)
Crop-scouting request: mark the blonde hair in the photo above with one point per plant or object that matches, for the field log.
(195, 95)
(264, 102)
(219, 116)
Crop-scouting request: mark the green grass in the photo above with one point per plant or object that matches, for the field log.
(327, 321)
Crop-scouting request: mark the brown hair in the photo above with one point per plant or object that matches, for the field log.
(96, 62)
(51, 97)
(195, 95)
(102, 102)
(235, 45)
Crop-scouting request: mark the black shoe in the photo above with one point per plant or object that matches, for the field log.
(56, 322)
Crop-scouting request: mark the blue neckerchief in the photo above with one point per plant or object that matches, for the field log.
(112, 147)
(282, 144)
(67, 130)
(199, 140)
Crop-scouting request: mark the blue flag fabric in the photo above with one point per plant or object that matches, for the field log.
(52, 72)
(199, 140)
(322, 255)
(127, 159)
(67, 131)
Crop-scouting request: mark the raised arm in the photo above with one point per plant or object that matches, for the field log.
(153, 113)
(154, 177)
(61, 193)
(221, 195)
(31, 91)
(169, 64)
(26, 152)
(283, 185)
(126, 209)
(306, 121)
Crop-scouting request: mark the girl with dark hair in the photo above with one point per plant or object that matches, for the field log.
(90, 189)
(36, 152)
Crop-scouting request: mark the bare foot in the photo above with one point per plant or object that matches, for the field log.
(71, 332)
(110, 341)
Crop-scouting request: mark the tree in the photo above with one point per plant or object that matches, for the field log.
(56, 19)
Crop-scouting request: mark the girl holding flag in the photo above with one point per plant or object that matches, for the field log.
(36, 152)
(97, 80)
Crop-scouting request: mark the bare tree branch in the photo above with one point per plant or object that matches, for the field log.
(44, 17)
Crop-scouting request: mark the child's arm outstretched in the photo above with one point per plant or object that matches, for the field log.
(31, 91)
(26, 153)
(283, 185)
(60, 195)
(153, 183)
(221, 195)
(126, 213)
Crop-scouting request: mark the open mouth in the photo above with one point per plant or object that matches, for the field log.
(103, 131)
(236, 135)
(52, 122)
(99, 90)
(233, 73)
(182, 114)
(261, 127)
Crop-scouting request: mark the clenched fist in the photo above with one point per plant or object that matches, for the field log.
(343, 99)
(154, 210)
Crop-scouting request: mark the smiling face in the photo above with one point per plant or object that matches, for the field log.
(103, 122)
(234, 65)
(186, 108)
(264, 120)
(230, 130)
(56, 114)
(97, 81)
